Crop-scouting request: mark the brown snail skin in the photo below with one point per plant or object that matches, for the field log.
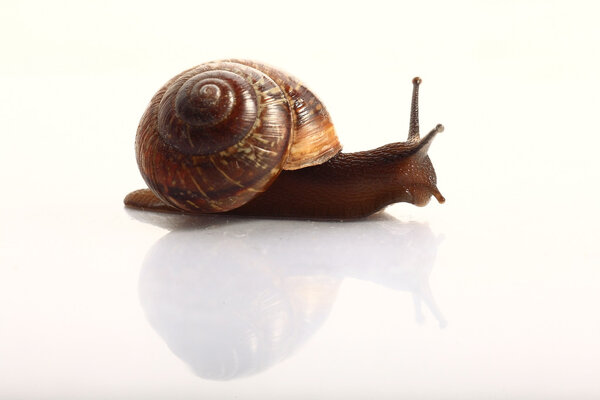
(239, 137)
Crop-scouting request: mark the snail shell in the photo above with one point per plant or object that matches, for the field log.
(217, 135)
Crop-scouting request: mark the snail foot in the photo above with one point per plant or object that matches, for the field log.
(144, 199)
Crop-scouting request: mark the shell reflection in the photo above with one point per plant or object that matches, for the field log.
(232, 297)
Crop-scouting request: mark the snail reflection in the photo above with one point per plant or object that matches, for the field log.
(233, 297)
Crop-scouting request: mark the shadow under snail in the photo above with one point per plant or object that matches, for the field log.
(240, 137)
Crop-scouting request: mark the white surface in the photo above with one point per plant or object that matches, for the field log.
(491, 295)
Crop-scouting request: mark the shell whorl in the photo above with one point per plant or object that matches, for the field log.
(218, 135)
(315, 140)
(208, 112)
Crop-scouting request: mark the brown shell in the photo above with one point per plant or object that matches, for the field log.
(315, 140)
(217, 135)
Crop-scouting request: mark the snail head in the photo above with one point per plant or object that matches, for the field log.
(415, 171)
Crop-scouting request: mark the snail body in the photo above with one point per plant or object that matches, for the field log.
(240, 137)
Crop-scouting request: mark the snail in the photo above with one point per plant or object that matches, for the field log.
(240, 137)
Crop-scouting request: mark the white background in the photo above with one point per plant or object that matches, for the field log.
(98, 302)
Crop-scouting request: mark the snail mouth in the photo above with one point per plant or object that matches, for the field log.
(421, 200)
(432, 191)
(421, 195)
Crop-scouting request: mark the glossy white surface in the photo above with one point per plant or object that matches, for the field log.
(491, 295)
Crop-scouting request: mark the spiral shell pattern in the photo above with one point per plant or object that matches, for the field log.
(217, 135)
